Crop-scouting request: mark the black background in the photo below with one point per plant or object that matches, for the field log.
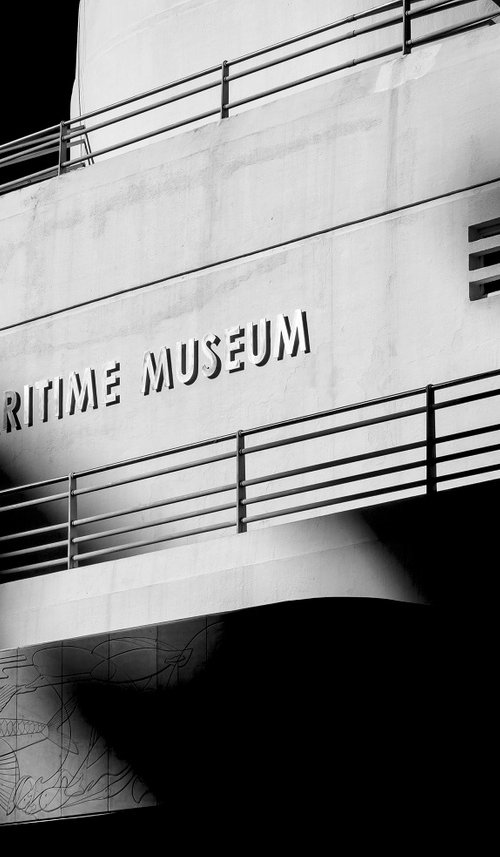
(37, 65)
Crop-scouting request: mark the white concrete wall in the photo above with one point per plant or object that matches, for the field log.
(386, 138)
(351, 202)
(125, 48)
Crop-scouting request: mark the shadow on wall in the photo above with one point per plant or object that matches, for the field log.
(445, 541)
(437, 540)
(285, 715)
(287, 687)
(16, 552)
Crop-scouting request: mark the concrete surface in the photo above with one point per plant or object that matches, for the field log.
(338, 555)
(126, 48)
(348, 150)
(350, 202)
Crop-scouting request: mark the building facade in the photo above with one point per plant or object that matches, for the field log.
(242, 359)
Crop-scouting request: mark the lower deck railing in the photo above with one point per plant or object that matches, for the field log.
(416, 442)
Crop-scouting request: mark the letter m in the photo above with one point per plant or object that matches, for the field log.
(81, 393)
(156, 374)
(290, 337)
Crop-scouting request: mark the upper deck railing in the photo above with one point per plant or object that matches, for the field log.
(58, 141)
(426, 440)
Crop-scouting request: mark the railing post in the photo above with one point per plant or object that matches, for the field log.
(224, 96)
(430, 440)
(71, 517)
(63, 147)
(241, 527)
(406, 26)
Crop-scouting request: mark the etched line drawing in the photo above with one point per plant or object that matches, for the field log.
(83, 771)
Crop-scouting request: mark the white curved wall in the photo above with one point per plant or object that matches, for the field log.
(127, 47)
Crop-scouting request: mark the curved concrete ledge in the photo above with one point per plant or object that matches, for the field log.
(337, 555)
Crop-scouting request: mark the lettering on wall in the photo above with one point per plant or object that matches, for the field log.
(183, 363)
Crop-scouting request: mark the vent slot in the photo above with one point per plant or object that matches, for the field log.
(484, 230)
(482, 290)
(484, 259)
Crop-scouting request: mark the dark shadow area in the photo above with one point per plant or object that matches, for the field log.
(308, 714)
(37, 69)
(29, 549)
(446, 541)
(443, 541)
(303, 714)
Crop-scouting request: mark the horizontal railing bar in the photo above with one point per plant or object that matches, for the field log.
(51, 529)
(35, 549)
(377, 10)
(27, 180)
(463, 400)
(37, 502)
(34, 566)
(285, 423)
(19, 147)
(214, 69)
(449, 31)
(154, 505)
(156, 91)
(461, 454)
(415, 13)
(29, 136)
(132, 528)
(390, 22)
(334, 462)
(34, 152)
(468, 433)
(31, 485)
(310, 77)
(334, 430)
(348, 498)
(458, 30)
(28, 156)
(146, 542)
(332, 412)
(467, 453)
(432, 8)
(467, 379)
(142, 137)
(163, 472)
(141, 110)
(476, 471)
(332, 483)
(150, 456)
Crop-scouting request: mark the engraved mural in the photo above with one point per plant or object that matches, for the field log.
(55, 761)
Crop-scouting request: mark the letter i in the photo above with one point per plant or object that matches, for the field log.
(58, 396)
(28, 405)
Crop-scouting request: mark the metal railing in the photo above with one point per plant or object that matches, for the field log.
(60, 139)
(336, 441)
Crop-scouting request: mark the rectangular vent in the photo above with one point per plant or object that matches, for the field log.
(484, 259)
(484, 230)
(482, 290)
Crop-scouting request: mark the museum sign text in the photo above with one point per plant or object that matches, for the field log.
(182, 363)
